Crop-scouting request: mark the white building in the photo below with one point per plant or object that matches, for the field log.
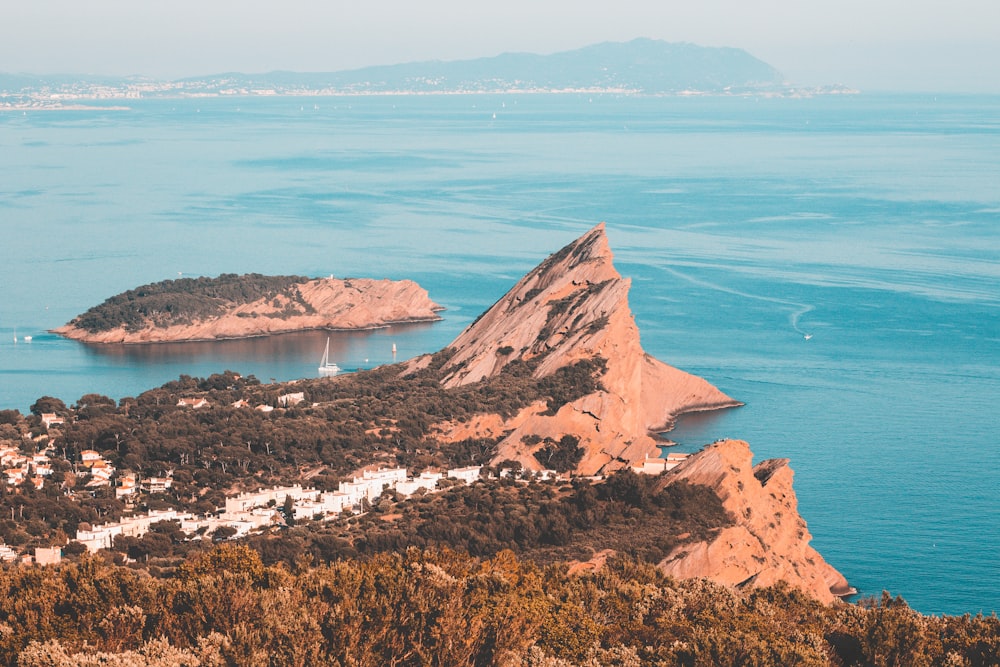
(102, 537)
(655, 466)
(48, 555)
(89, 457)
(50, 419)
(291, 399)
(426, 480)
(467, 475)
(158, 484)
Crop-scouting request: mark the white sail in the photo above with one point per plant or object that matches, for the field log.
(325, 365)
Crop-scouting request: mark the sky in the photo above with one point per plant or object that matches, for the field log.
(911, 45)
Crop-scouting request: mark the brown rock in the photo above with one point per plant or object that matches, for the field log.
(338, 304)
(574, 306)
(769, 541)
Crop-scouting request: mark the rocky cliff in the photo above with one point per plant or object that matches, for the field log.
(326, 303)
(573, 307)
(769, 541)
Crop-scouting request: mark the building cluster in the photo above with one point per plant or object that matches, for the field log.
(284, 401)
(20, 467)
(659, 465)
(252, 510)
(36, 467)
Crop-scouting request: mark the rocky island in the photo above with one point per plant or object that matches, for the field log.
(242, 306)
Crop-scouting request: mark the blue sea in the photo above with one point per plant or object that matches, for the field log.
(870, 224)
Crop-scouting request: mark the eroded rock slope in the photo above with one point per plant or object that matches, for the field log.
(769, 541)
(573, 307)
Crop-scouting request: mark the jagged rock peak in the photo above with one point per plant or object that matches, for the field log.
(551, 309)
(574, 307)
(769, 541)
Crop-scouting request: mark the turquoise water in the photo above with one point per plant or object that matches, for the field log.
(869, 222)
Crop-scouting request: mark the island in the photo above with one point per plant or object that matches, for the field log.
(243, 306)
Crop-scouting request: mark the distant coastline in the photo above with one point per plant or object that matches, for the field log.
(41, 102)
(641, 67)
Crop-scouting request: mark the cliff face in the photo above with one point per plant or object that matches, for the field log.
(574, 306)
(334, 304)
(768, 543)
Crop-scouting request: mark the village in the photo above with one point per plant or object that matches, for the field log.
(245, 512)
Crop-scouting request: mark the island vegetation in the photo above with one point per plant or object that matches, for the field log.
(187, 300)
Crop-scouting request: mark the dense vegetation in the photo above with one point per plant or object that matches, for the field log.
(344, 423)
(187, 300)
(225, 607)
(471, 575)
(546, 521)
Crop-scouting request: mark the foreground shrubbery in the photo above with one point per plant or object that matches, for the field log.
(442, 608)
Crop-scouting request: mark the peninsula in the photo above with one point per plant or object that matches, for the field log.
(492, 503)
(243, 306)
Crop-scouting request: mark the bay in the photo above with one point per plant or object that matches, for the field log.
(868, 222)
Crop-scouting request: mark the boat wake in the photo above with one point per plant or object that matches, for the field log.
(798, 309)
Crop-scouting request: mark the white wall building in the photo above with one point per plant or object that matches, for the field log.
(468, 475)
(426, 480)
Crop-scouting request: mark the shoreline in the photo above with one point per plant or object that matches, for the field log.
(65, 332)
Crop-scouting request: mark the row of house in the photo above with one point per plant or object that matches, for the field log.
(284, 401)
(251, 510)
(102, 537)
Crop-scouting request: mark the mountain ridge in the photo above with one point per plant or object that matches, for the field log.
(640, 66)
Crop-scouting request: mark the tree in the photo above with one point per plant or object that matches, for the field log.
(288, 511)
(223, 533)
(12, 417)
(49, 404)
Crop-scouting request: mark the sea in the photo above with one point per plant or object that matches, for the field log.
(833, 262)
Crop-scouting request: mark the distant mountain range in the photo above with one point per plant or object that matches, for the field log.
(641, 66)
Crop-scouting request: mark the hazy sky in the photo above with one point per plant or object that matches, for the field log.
(871, 44)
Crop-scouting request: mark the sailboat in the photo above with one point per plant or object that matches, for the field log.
(326, 366)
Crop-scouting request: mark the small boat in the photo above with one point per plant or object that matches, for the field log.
(326, 366)
(808, 336)
(27, 339)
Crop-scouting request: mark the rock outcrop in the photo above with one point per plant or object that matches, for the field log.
(769, 541)
(325, 303)
(573, 307)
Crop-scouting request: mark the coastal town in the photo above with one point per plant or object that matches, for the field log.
(243, 513)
